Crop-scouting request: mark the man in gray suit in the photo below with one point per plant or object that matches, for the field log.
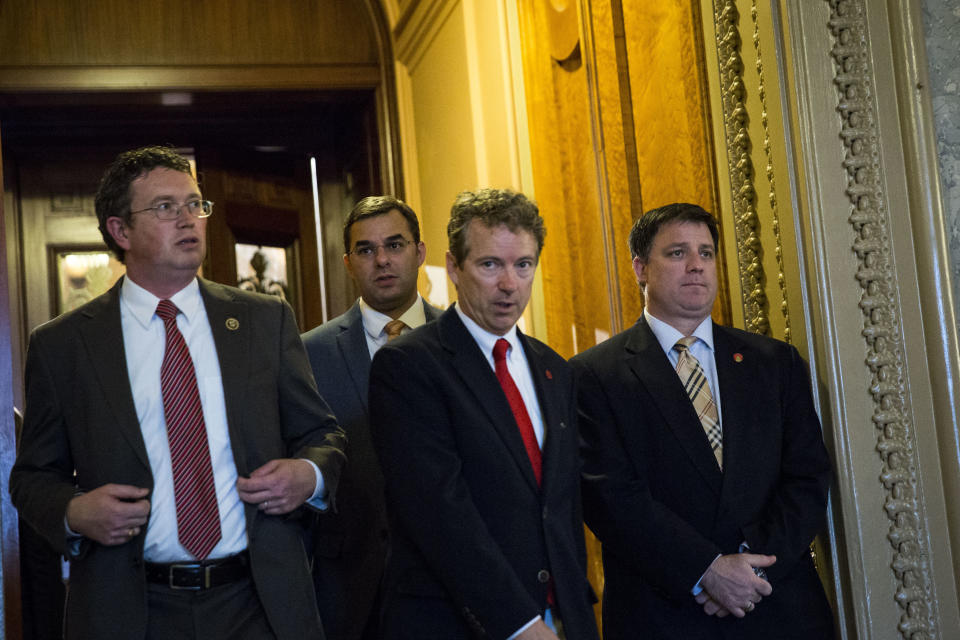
(172, 431)
(382, 253)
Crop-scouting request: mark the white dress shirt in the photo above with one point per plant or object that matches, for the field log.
(517, 365)
(144, 341)
(702, 350)
(374, 322)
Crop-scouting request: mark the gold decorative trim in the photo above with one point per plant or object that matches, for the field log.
(743, 193)
(771, 178)
(882, 326)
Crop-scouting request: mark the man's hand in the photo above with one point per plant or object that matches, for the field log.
(710, 606)
(537, 631)
(111, 514)
(280, 486)
(731, 583)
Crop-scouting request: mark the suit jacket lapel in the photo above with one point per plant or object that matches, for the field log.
(477, 376)
(737, 381)
(352, 343)
(649, 363)
(552, 403)
(231, 327)
(103, 337)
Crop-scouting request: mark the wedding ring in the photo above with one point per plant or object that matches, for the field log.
(749, 607)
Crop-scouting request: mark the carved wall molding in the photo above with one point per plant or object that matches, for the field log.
(882, 326)
(743, 191)
(771, 181)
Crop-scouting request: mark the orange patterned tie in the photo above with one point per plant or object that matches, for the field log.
(394, 328)
(194, 492)
(697, 388)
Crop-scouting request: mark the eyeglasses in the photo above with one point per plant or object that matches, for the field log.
(171, 210)
(369, 251)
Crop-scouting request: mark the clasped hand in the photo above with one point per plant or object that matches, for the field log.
(730, 585)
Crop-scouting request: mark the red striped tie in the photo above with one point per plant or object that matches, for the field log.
(198, 518)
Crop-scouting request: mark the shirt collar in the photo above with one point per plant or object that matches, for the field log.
(667, 336)
(374, 321)
(484, 339)
(143, 305)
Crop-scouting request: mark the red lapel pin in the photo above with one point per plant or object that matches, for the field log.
(549, 375)
(737, 357)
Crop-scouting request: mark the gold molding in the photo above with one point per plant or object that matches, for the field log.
(742, 189)
(772, 192)
(882, 320)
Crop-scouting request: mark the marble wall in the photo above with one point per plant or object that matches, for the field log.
(941, 20)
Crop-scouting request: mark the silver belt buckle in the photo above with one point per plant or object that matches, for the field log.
(173, 567)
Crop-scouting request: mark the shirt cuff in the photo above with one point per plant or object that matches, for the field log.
(319, 498)
(524, 628)
(698, 588)
(74, 539)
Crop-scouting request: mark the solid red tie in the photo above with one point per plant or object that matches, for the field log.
(523, 422)
(516, 404)
(198, 517)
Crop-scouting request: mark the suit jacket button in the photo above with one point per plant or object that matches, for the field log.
(544, 512)
(563, 425)
(543, 576)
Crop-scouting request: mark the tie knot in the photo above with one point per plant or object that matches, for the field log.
(394, 328)
(684, 344)
(167, 310)
(500, 350)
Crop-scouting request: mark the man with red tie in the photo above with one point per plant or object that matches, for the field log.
(172, 431)
(475, 427)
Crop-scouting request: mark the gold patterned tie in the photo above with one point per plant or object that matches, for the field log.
(394, 328)
(697, 388)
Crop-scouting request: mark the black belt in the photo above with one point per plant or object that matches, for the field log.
(197, 576)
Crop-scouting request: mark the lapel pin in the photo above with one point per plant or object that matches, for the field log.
(549, 375)
(232, 324)
(737, 357)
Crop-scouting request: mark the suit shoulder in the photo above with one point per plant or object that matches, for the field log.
(325, 332)
(762, 344)
(66, 322)
(603, 351)
(546, 352)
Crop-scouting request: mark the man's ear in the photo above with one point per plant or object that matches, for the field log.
(346, 263)
(640, 269)
(421, 253)
(117, 229)
(452, 269)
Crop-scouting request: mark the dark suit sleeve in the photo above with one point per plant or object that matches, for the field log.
(618, 505)
(309, 429)
(417, 442)
(41, 482)
(796, 511)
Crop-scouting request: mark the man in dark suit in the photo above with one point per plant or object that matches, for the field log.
(383, 254)
(475, 427)
(188, 412)
(705, 475)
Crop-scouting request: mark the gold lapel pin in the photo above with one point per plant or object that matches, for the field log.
(232, 324)
(737, 357)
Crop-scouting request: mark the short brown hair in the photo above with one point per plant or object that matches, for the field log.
(377, 206)
(113, 196)
(492, 207)
(647, 226)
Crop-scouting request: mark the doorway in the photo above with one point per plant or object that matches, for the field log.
(283, 168)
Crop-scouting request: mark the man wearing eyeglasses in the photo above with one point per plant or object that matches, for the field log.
(188, 413)
(383, 254)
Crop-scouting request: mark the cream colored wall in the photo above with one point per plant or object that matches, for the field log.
(462, 119)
